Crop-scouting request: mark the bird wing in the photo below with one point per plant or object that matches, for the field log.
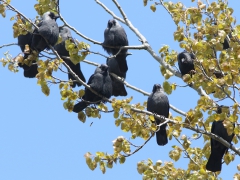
(120, 37)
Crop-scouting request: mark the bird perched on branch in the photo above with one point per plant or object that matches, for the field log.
(101, 82)
(115, 36)
(218, 149)
(158, 103)
(185, 62)
(65, 33)
(225, 44)
(28, 71)
(47, 30)
(23, 40)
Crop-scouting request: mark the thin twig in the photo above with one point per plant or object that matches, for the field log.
(185, 151)
(110, 12)
(10, 44)
(140, 147)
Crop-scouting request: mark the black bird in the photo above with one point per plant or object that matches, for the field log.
(225, 44)
(185, 62)
(118, 87)
(48, 29)
(218, 149)
(101, 82)
(115, 35)
(218, 74)
(65, 33)
(158, 103)
(28, 71)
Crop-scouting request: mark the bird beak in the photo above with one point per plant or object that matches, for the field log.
(56, 17)
(128, 53)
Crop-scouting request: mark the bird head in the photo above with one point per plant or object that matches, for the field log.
(51, 15)
(156, 87)
(111, 23)
(65, 32)
(185, 57)
(63, 29)
(223, 108)
(104, 67)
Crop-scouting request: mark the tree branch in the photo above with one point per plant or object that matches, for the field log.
(76, 31)
(185, 152)
(110, 12)
(200, 91)
(10, 44)
(149, 49)
(211, 135)
(140, 147)
(130, 86)
(58, 57)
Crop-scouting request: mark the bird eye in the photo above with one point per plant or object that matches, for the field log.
(51, 15)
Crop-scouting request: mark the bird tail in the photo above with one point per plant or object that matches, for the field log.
(215, 161)
(77, 70)
(22, 65)
(122, 62)
(161, 136)
(29, 71)
(79, 106)
(118, 89)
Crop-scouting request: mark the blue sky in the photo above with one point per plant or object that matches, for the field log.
(41, 140)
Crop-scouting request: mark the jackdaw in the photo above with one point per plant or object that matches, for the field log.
(65, 33)
(101, 82)
(218, 74)
(218, 149)
(225, 44)
(118, 87)
(158, 103)
(115, 35)
(185, 62)
(48, 29)
(28, 71)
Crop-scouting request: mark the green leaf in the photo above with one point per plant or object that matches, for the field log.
(118, 122)
(145, 2)
(151, 117)
(116, 115)
(167, 87)
(82, 116)
(122, 159)
(110, 164)
(91, 164)
(153, 7)
(102, 167)
(45, 88)
(61, 85)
